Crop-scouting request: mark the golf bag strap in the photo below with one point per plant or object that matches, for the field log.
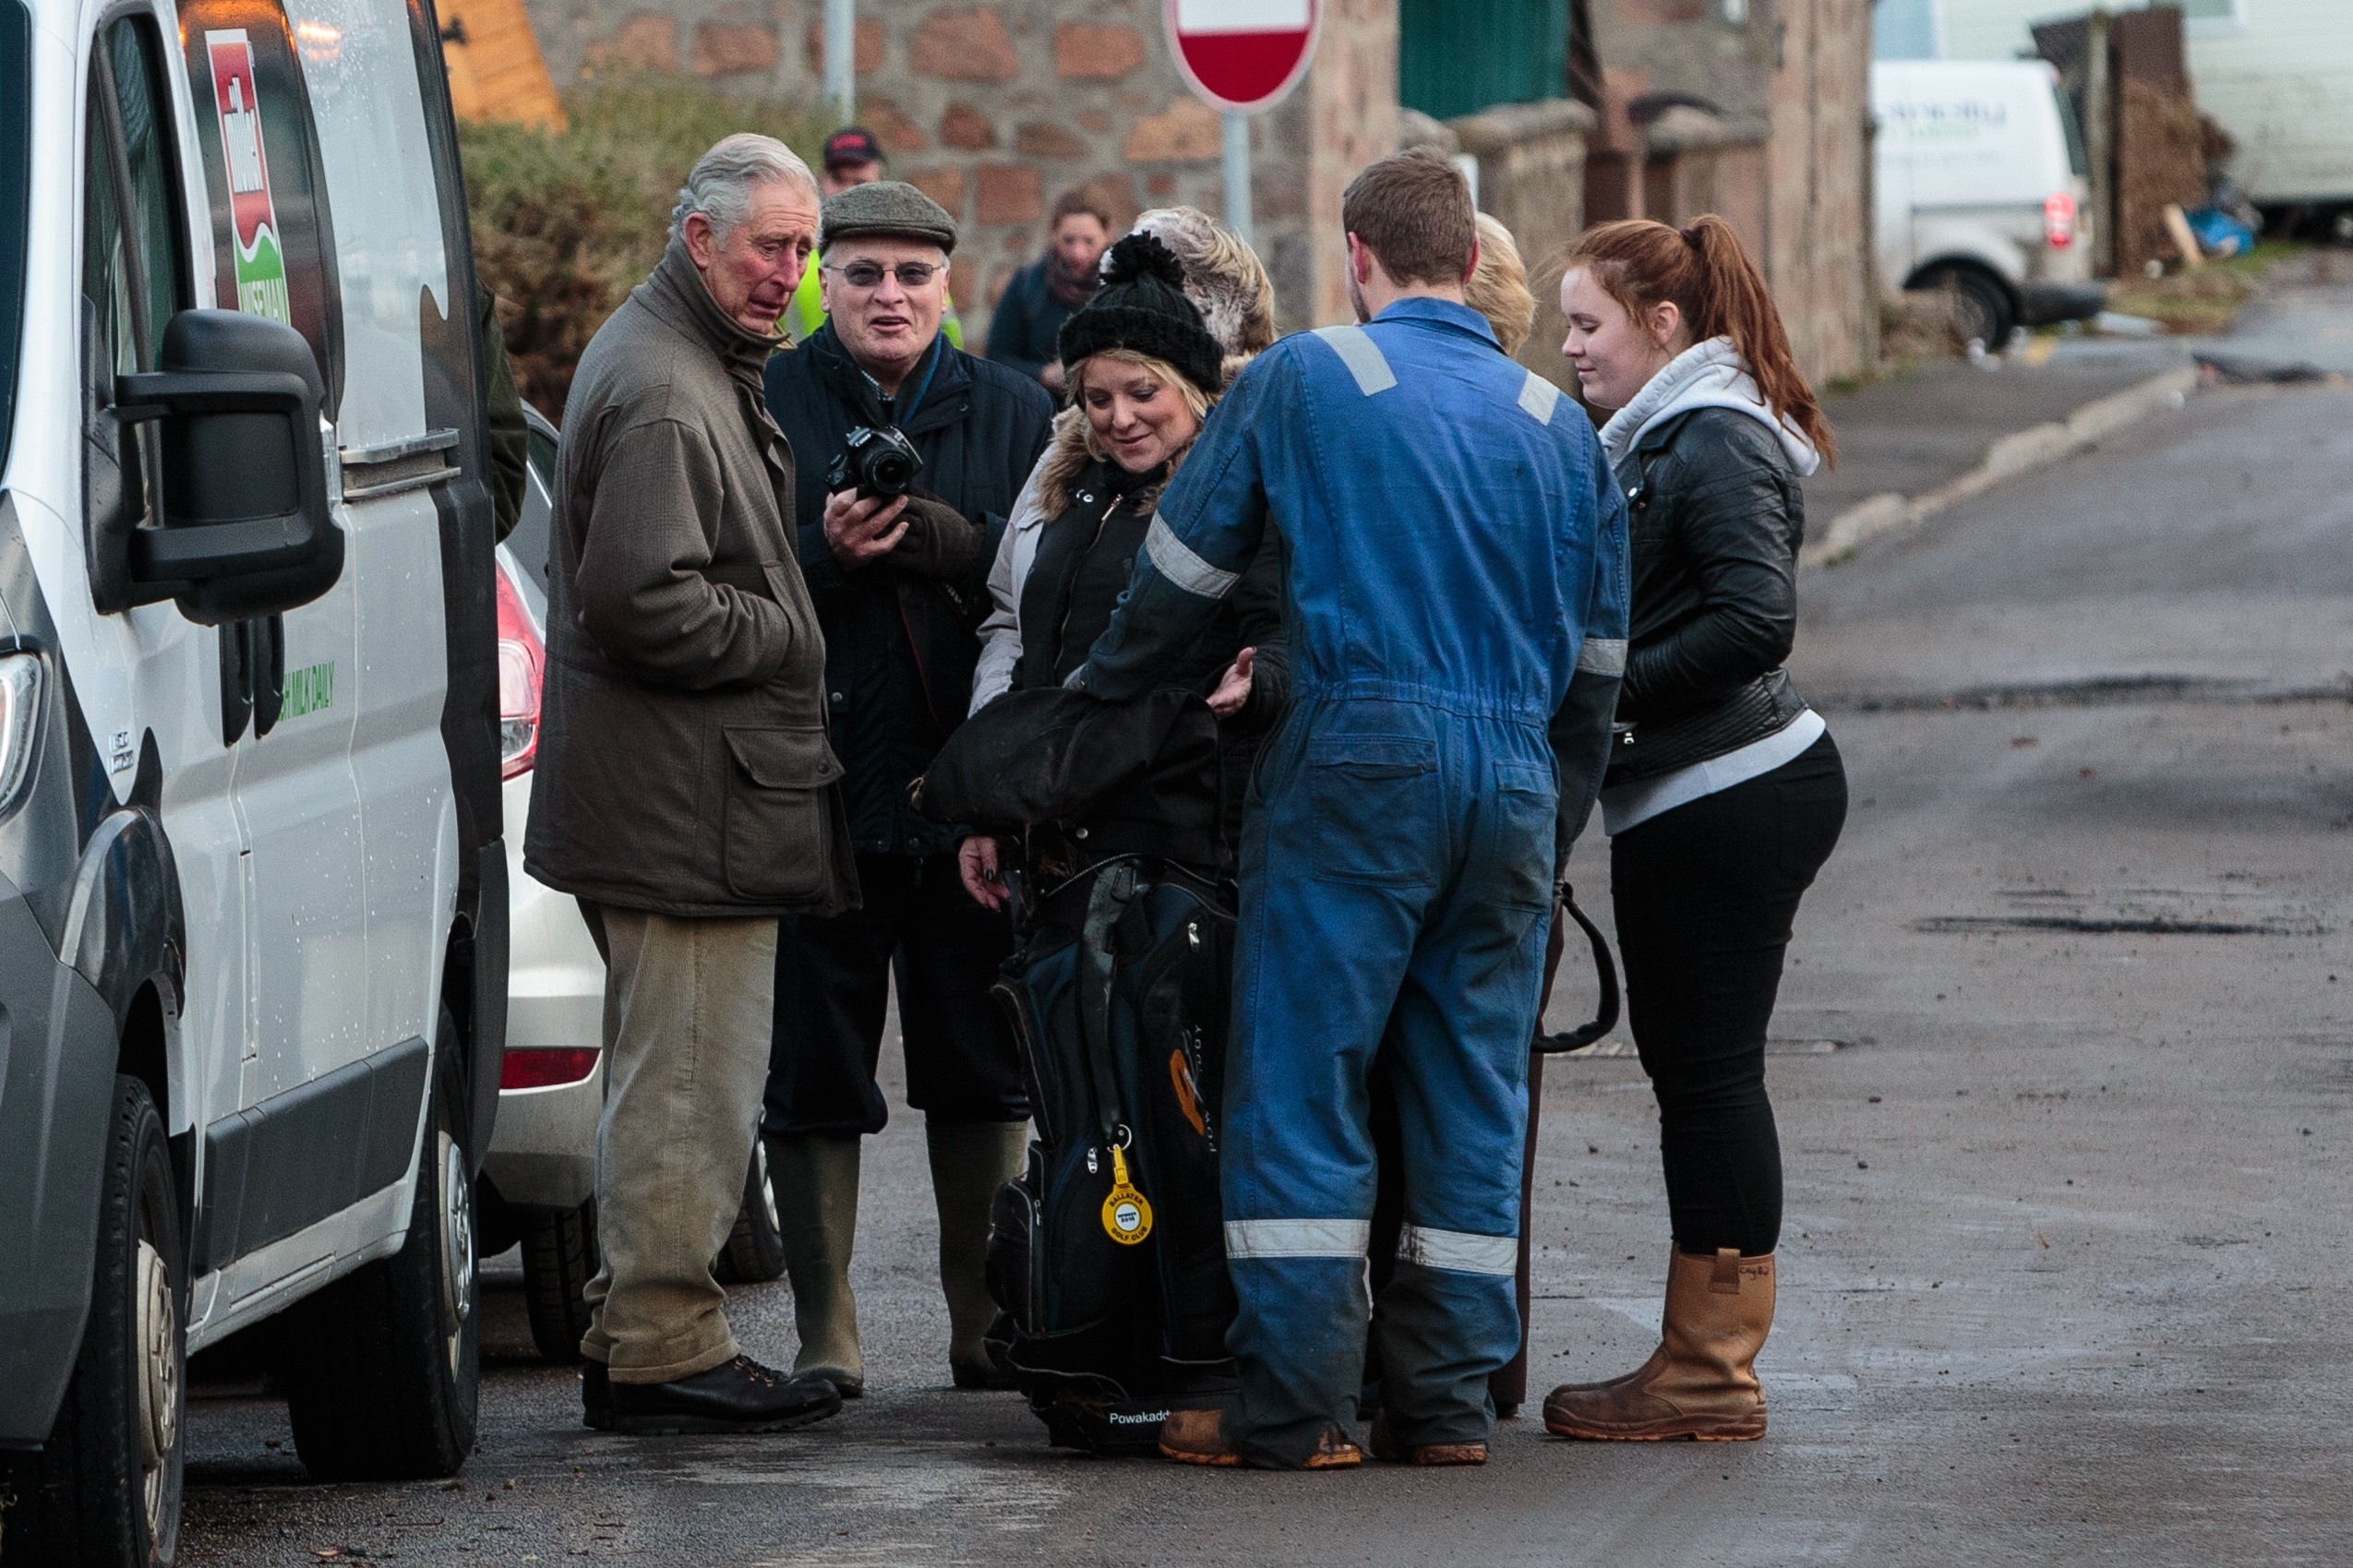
(1605, 975)
(1115, 888)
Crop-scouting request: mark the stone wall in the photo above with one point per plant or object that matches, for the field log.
(1818, 183)
(1532, 178)
(1767, 123)
(995, 110)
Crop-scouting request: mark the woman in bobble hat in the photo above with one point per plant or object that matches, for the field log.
(1145, 370)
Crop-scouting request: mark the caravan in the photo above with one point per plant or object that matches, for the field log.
(253, 895)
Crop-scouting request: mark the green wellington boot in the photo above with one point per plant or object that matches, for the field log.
(970, 1162)
(815, 1179)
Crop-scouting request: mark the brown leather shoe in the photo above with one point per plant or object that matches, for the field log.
(1701, 1380)
(1385, 1446)
(1197, 1437)
(1334, 1451)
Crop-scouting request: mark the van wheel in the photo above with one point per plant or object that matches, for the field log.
(560, 1257)
(755, 1251)
(381, 1367)
(1980, 303)
(105, 1489)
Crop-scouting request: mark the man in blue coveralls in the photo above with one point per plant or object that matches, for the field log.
(1456, 611)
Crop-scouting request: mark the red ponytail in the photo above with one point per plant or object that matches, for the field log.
(1705, 272)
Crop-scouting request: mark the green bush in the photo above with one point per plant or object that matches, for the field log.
(567, 222)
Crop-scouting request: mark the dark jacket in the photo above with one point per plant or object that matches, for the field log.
(900, 639)
(1028, 320)
(1716, 516)
(1083, 561)
(683, 766)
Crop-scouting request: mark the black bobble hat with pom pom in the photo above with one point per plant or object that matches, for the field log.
(1141, 306)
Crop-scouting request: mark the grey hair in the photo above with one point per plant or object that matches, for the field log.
(719, 186)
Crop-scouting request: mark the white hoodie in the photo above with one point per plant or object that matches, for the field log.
(1708, 374)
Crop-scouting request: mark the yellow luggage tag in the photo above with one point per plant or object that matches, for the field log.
(1127, 1216)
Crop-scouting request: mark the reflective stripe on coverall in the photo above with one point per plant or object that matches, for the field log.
(1457, 550)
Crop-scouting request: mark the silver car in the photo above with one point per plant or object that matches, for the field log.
(538, 1183)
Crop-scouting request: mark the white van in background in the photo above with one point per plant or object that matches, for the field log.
(1982, 189)
(253, 892)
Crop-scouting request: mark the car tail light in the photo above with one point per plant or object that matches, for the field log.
(2059, 220)
(543, 1067)
(522, 659)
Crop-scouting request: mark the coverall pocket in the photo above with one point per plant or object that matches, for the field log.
(1523, 820)
(777, 835)
(1373, 805)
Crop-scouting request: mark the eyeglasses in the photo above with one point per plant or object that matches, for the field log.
(868, 274)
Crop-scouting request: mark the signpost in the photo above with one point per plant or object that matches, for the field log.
(1242, 56)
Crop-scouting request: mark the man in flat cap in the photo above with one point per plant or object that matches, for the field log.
(900, 586)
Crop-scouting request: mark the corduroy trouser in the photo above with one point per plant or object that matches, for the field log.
(686, 1052)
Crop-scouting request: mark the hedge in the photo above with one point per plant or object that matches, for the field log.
(567, 222)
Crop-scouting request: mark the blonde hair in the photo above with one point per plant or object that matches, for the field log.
(1498, 287)
(1076, 442)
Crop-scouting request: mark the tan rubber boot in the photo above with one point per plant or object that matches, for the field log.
(1701, 1380)
(970, 1162)
(815, 1179)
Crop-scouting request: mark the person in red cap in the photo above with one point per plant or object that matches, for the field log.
(852, 156)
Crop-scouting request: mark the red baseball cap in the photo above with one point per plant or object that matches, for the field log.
(852, 144)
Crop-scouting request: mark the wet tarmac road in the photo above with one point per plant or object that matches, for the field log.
(2064, 1279)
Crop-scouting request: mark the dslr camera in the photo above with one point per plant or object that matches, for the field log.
(877, 462)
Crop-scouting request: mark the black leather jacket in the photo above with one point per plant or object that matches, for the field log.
(1715, 518)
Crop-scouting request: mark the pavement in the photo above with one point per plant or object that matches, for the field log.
(1914, 433)
(2064, 1071)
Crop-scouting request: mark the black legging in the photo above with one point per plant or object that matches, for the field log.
(1705, 896)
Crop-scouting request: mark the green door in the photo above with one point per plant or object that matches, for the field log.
(1459, 56)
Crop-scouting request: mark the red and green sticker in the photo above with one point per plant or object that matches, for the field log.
(260, 261)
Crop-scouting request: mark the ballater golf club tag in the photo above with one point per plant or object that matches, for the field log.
(1126, 1215)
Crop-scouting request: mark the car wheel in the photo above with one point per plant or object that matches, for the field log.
(382, 1368)
(755, 1250)
(105, 1489)
(1980, 303)
(560, 1257)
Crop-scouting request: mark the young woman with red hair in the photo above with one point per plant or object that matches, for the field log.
(1725, 793)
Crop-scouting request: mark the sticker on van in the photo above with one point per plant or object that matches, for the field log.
(310, 690)
(260, 261)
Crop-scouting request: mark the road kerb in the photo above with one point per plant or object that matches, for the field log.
(2019, 453)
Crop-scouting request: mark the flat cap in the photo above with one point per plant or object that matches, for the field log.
(886, 206)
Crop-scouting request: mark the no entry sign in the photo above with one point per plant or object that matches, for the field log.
(1243, 55)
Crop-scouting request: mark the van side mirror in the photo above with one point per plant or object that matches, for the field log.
(245, 529)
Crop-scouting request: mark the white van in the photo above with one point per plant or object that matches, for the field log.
(1982, 189)
(253, 900)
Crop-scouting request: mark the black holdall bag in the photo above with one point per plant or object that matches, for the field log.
(1108, 1255)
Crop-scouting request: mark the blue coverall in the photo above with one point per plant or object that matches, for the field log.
(1456, 602)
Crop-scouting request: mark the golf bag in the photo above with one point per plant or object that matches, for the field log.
(1108, 1255)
